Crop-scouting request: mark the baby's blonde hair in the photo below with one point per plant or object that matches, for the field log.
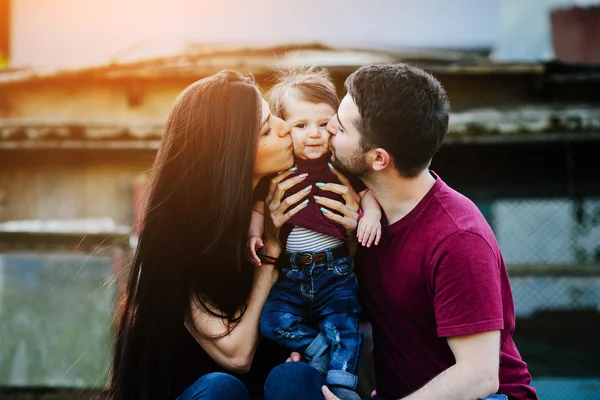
(309, 84)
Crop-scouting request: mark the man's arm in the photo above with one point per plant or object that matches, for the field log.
(475, 373)
(465, 275)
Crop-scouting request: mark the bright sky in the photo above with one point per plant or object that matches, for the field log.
(53, 33)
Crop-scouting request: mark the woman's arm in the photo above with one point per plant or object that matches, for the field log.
(235, 350)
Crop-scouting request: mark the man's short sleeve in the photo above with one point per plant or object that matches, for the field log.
(465, 278)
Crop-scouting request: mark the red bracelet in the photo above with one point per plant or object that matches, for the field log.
(266, 259)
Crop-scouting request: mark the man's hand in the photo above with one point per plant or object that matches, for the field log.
(254, 243)
(369, 231)
(294, 357)
(328, 395)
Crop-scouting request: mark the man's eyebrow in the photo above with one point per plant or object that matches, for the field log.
(340, 122)
(266, 120)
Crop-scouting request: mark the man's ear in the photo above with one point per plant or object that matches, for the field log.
(381, 159)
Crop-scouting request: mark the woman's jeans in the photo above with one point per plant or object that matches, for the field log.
(216, 386)
(312, 309)
(293, 380)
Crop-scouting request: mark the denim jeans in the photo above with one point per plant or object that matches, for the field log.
(294, 380)
(216, 386)
(314, 308)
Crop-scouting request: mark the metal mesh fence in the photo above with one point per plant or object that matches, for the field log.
(535, 294)
(552, 251)
(558, 231)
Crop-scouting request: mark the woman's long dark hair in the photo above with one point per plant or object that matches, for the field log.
(195, 224)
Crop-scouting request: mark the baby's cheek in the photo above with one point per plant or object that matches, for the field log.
(298, 153)
(297, 138)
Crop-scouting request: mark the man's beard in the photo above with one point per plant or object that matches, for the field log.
(355, 164)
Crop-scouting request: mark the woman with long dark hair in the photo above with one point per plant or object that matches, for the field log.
(188, 323)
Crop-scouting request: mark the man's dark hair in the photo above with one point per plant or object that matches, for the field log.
(403, 110)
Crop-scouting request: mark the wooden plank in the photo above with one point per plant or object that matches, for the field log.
(93, 243)
(66, 191)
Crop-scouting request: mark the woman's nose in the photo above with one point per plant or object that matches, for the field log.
(284, 128)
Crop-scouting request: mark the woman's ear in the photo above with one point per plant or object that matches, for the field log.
(381, 159)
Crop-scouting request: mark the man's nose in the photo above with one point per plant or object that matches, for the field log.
(331, 127)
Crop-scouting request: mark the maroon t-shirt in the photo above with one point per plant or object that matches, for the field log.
(311, 216)
(437, 272)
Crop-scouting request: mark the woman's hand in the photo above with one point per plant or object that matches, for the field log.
(349, 211)
(275, 215)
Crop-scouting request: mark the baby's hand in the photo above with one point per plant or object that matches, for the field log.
(253, 244)
(369, 230)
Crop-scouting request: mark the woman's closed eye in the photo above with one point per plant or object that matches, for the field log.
(266, 133)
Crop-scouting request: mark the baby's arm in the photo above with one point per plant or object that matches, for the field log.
(369, 226)
(255, 232)
(257, 222)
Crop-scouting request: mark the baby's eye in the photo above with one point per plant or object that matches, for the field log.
(323, 125)
(300, 125)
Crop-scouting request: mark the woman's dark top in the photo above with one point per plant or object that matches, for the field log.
(192, 362)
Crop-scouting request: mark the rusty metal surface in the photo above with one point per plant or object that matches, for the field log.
(576, 34)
